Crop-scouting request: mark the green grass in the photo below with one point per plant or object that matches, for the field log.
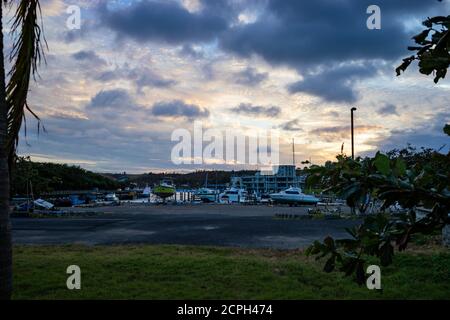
(181, 272)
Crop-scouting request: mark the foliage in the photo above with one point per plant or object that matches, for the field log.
(47, 177)
(404, 178)
(432, 48)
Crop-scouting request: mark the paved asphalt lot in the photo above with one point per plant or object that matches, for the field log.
(215, 225)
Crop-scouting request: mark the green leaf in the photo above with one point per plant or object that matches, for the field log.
(400, 167)
(421, 37)
(405, 64)
(381, 162)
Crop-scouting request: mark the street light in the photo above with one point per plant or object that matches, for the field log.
(353, 133)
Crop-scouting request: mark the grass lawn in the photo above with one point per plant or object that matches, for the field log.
(182, 272)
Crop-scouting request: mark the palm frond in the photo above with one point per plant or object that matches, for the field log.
(26, 55)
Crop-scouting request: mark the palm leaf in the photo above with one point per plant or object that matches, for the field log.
(26, 55)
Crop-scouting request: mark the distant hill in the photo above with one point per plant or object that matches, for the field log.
(48, 177)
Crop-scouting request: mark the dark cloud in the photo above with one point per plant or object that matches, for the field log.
(118, 99)
(257, 111)
(326, 35)
(251, 77)
(334, 84)
(388, 109)
(307, 35)
(301, 33)
(293, 125)
(178, 108)
(166, 21)
(89, 56)
(146, 78)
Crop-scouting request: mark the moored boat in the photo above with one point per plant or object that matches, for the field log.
(233, 195)
(206, 195)
(165, 189)
(293, 196)
(111, 197)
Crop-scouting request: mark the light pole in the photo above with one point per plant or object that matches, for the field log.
(352, 110)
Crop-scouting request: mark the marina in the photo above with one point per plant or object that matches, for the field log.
(282, 186)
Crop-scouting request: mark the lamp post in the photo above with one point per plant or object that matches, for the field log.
(352, 110)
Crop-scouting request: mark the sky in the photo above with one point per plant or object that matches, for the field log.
(112, 92)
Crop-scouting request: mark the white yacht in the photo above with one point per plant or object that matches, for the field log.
(233, 195)
(111, 197)
(293, 196)
(206, 195)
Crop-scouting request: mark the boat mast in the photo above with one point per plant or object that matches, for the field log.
(293, 152)
(293, 162)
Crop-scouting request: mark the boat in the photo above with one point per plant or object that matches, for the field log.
(43, 204)
(165, 189)
(233, 195)
(146, 192)
(264, 199)
(111, 197)
(206, 195)
(293, 196)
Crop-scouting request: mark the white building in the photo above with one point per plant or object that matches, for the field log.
(267, 182)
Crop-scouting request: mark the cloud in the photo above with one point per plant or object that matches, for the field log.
(292, 125)
(89, 56)
(67, 115)
(332, 114)
(303, 43)
(257, 111)
(388, 109)
(111, 99)
(141, 77)
(320, 39)
(178, 108)
(191, 52)
(323, 34)
(301, 33)
(428, 134)
(167, 22)
(146, 78)
(334, 84)
(251, 77)
(332, 134)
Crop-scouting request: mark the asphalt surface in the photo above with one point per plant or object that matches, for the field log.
(214, 225)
